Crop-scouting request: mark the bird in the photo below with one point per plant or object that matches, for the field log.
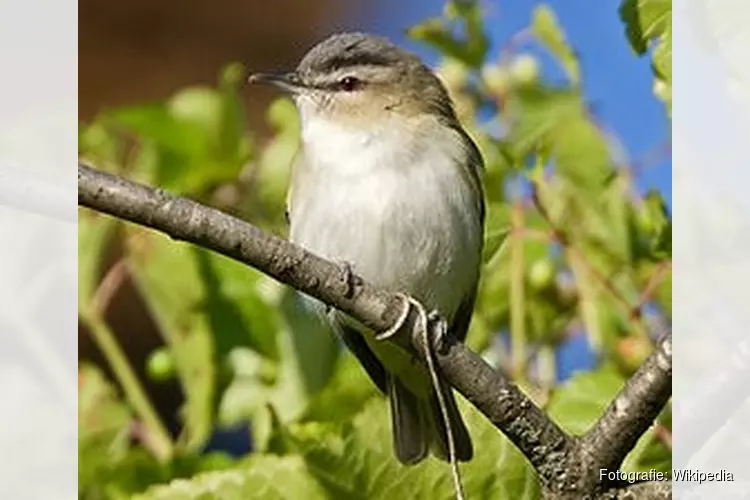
(388, 182)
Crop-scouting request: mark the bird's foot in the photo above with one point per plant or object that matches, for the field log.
(439, 329)
(349, 280)
(431, 321)
(407, 303)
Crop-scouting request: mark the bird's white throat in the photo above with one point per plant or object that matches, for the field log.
(354, 151)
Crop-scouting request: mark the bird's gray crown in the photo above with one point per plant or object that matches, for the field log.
(346, 50)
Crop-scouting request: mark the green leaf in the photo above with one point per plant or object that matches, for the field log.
(277, 157)
(104, 451)
(440, 33)
(579, 402)
(648, 453)
(232, 144)
(193, 141)
(495, 285)
(496, 231)
(261, 392)
(209, 307)
(102, 417)
(266, 477)
(663, 294)
(580, 153)
(168, 278)
(358, 462)
(655, 225)
(545, 27)
(158, 123)
(96, 141)
(346, 393)
(536, 113)
(647, 22)
(249, 389)
(95, 233)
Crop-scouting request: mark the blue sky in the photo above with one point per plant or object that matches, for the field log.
(617, 83)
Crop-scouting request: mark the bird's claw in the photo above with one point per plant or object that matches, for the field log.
(440, 329)
(426, 320)
(348, 278)
(407, 302)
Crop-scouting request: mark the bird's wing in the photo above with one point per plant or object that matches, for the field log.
(355, 342)
(462, 319)
(475, 167)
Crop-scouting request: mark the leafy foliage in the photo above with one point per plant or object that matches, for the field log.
(648, 21)
(570, 249)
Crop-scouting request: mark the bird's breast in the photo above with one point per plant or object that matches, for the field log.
(394, 205)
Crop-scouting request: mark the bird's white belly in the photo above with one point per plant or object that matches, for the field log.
(404, 219)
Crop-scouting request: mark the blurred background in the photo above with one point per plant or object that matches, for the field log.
(136, 56)
(135, 51)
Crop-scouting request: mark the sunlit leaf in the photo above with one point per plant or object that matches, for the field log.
(176, 282)
(346, 393)
(193, 141)
(273, 170)
(496, 230)
(307, 357)
(545, 27)
(98, 143)
(647, 22)
(579, 402)
(267, 477)
(440, 33)
(357, 461)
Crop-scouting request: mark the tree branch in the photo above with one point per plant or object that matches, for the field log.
(652, 490)
(632, 412)
(551, 451)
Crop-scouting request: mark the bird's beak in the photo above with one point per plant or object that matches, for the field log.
(288, 82)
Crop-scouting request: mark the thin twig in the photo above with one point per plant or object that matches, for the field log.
(664, 435)
(633, 313)
(654, 281)
(110, 284)
(517, 294)
(159, 440)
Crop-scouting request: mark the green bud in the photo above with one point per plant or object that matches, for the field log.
(198, 105)
(160, 365)
(541, 274)
(497, 79)
(524, 69)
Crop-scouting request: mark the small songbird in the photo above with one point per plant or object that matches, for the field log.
(388, 182)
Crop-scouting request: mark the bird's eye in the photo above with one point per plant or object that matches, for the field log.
(349, 83)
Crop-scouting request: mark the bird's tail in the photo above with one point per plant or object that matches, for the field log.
(418, 425)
